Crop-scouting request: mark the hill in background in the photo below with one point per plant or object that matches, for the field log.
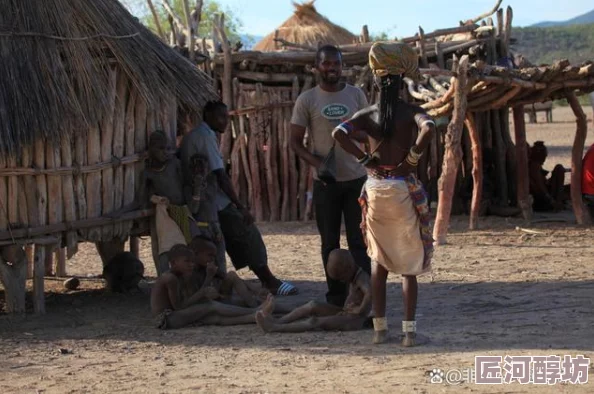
(588, 17)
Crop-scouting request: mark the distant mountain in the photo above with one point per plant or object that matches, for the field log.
(546, 44)
(585, 18)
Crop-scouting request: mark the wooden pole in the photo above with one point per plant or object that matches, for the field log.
(227, 82)
(14, 278)
(477, 170)
(61, 262)
(30, 260)
(421, 45)
(135, 246)
(107, 133)
(364, 34)
(523, 192)
(581, 213)
(156, 20)
(38, 274)
(453, 154)
(191, 40)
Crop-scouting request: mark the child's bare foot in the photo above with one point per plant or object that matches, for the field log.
(409, 339)
(267, 306)
(265, 322)
(380, 337)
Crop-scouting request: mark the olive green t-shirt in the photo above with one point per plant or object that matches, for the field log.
(320, 112)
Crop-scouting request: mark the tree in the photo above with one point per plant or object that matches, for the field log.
(211, 7)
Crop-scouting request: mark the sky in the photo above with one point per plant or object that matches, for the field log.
(400, 18)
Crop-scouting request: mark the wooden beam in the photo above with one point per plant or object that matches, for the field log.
(524, 199)
(581, 212)
(69, 226)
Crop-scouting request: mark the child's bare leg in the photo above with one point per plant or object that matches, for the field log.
(410, 290)
(328, 323)
(312, 308)
(241, 289)
(379, 275)
(187, 316)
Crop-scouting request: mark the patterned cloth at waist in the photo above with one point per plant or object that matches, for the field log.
(386, 172)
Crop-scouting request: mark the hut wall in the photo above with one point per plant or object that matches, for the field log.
(49, 188)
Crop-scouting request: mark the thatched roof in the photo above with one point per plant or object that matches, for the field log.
(307, 27)
(55, 59)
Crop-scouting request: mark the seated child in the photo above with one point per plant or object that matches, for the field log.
(176, 304)
(321, 316)
(250, 295)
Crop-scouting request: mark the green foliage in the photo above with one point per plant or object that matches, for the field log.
(584, 100)
(382, 36)
(233, 24)
(544, 45)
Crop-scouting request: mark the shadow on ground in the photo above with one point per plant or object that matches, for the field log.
(455, 316)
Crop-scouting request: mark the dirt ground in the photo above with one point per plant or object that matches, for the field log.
(496, 291)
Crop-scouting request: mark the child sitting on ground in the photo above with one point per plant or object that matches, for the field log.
(250, 294)
(176, 304)
(321, 316)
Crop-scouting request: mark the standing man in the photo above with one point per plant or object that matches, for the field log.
(320, 110)
(243, 240)
(396, 214)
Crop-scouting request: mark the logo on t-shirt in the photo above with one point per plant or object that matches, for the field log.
(335, 111)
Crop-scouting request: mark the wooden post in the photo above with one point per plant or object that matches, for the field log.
(135, 246)
(452, 156)
(421, 45)
(227, 82)
(30, 261)
(189, 29)
(477, 170)
(156, 20)
(107, 132)
(524, 199)
(61, 262)
(581, 213)
(41, 254)
(364, 34)
(14, 278)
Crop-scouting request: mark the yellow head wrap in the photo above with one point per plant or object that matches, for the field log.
(394, 58)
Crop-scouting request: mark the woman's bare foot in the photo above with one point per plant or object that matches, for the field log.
(380, 337)
(265, 322)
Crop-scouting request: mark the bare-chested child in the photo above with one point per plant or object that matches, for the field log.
(176, 304)
(162, 183)
(250, 295)
(394, 204)
(321, 316)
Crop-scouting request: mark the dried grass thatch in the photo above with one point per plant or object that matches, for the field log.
(307, 27)
(54, 68)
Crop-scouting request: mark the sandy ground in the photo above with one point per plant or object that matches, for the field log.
(496, 291)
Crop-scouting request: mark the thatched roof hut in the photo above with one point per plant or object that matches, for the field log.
(82, 86)
(308, 28)
(56, 56)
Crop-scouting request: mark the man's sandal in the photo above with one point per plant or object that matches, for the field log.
(285, 289)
